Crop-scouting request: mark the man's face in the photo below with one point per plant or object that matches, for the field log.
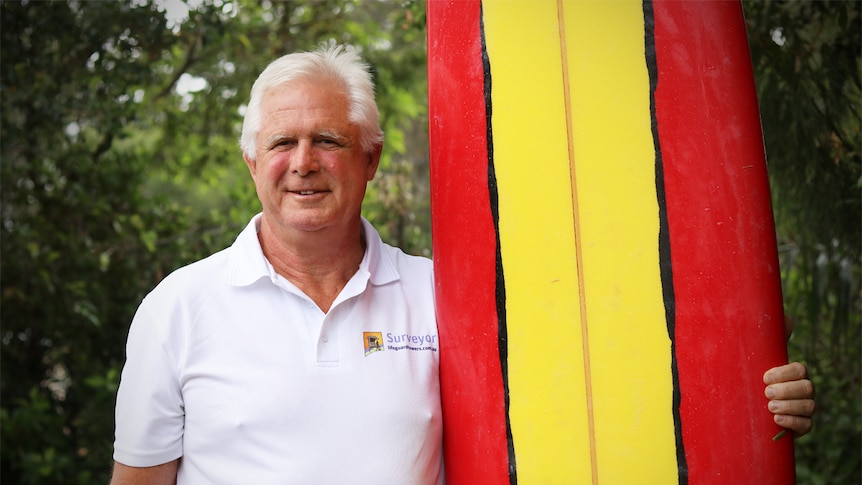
(311, 171)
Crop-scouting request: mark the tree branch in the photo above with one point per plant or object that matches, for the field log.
(190, 59)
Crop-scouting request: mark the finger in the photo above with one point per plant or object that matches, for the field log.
(793, 407)
(802, 389)
(784, 373)
(799, 425)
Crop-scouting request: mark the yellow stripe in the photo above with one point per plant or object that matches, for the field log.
(615, 170)
(546, 374)
(617, 221)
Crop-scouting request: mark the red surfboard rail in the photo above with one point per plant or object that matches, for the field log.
(716, 246)
(458, 107)
(722, 239)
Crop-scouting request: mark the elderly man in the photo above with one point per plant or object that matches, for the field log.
(260, 363)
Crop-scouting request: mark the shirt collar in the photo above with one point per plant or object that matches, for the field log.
(377, 262)
(247, 264)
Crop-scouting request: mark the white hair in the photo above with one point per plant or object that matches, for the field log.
(330, 62)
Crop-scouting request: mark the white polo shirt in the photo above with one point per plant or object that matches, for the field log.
(235, 370)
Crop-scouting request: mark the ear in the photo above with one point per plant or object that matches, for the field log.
(373, 161)
(252, 165)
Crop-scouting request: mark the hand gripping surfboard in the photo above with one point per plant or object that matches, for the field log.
(607, 279)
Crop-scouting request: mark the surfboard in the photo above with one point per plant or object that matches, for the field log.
(607, 277)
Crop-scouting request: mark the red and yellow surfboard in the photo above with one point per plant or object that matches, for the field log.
(607, 277)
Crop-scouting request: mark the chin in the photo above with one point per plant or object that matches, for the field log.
(309, 223)
(308, 220)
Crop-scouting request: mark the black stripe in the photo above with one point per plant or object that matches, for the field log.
(502, 332)
(664, 237)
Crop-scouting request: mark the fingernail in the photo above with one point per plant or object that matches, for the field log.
(773, 406)
(770, 392)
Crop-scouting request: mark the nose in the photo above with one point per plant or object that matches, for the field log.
(303, 159)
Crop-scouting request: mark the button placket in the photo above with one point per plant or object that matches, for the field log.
(327, 343)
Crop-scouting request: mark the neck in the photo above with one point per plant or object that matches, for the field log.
(318, 263)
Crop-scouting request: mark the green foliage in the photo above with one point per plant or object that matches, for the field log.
(398, 200)
(807, 63)
(79, 241)
(120, 163)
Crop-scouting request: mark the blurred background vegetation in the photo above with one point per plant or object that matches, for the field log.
(119, 162)
(808, 68)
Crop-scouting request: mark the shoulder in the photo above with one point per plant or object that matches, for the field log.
(197, 275)
(407, 262)
(186, 289)
(168, 312)
(237, 265)
(388, 264)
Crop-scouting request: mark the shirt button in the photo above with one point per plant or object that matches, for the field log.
(325, 338)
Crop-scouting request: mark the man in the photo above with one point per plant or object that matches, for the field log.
(251, 364)
(261, 363)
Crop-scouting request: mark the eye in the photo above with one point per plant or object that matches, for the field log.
(282, 143)
(328, 142)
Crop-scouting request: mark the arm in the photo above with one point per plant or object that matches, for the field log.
(164, 474)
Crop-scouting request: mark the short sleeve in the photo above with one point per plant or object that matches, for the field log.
(149, 413)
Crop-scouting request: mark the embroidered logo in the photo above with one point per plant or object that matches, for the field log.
(373, 342)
